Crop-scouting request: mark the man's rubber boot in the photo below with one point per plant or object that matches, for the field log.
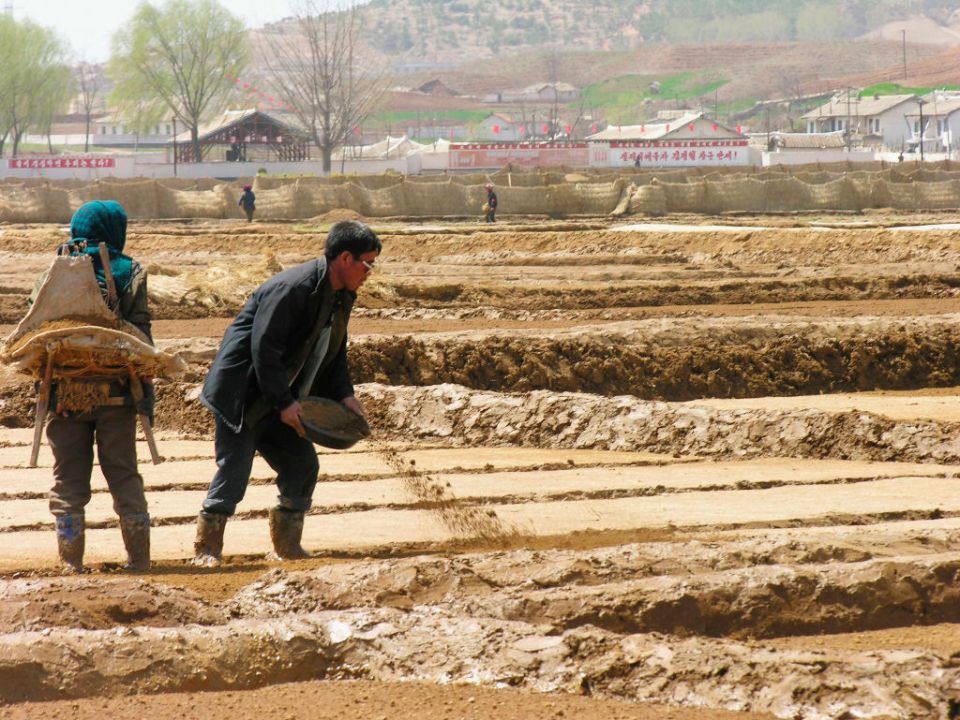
(135, 530)
(208, 546)
(286, 530)
(70, 541)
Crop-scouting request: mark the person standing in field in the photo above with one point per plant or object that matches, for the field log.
(288, 342)
(491, 212)
(111, 422)
(248, 201)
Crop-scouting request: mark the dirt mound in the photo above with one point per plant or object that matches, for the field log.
(95, 603)
(664, 588)
(703, 364)
(432, 646)
(336, 215)
(217, 289)
(450, 413)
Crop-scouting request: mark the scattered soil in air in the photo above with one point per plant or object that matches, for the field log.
(463, 521)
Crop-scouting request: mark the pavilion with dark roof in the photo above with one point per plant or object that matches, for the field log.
(246, 135)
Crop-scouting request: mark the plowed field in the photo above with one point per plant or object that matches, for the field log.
(656, 471)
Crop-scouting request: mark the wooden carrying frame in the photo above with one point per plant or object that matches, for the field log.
(46, 383)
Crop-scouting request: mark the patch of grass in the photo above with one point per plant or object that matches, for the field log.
(891, 88)
(621, 98)
(736, 106)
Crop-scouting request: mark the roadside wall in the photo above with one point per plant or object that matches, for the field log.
(840, 187)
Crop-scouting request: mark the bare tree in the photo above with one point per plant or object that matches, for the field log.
(552, 65)
(89, 83)
(318, 70)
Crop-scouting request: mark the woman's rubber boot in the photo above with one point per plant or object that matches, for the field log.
(208, 546)
(70, 541)
(135, 529)
(286, 530)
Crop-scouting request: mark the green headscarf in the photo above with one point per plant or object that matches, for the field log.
(105, 221)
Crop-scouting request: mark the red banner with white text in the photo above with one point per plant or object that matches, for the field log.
(60, 163)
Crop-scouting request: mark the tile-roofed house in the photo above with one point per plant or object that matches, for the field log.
(802, 141)
(679, 128)
(941, 123)
(688, 141)
(874, 119)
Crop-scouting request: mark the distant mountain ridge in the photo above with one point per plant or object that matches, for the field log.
(442, 31)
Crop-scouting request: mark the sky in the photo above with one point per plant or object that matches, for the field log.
(88, 26)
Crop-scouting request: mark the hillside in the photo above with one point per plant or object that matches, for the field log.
(619, 51)
(441, 31)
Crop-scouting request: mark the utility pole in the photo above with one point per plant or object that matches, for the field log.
(174, 120)
(846, 127)
(768, 126)
(903, 35)
(921, 102)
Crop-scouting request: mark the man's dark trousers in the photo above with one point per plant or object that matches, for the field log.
(292, 457)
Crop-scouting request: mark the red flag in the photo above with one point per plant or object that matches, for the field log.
(714, 126)
(523, 129)
(593, 128)
(690, 127)
(568, 129)
(496, 129)
(738, 128)
(546, 129)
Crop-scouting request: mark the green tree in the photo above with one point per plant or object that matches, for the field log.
(34, 79)
(180, 59)
(56, 98)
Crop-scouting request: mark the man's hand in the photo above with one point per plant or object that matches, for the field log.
(351, 403)
(290, 415)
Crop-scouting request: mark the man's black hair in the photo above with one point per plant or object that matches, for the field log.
(352, 237)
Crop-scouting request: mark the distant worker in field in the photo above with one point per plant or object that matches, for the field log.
(288, 342)
(248, 201)
(490, 208)
(112, 423)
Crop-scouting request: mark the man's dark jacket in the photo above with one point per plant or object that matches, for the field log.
(268, 343)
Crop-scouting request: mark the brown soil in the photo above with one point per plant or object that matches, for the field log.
(643, 582)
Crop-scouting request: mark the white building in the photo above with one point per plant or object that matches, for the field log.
(876, 120)
(691, 140)
(110, 131)
(544, 92)
(500, 127)
(941, 123)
